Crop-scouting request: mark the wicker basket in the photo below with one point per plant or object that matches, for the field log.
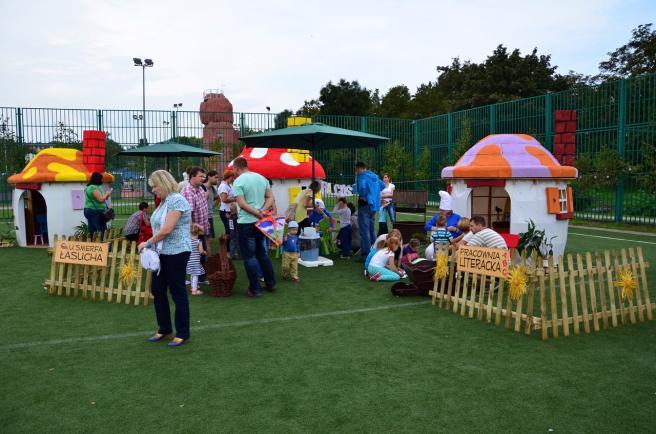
(221, 271)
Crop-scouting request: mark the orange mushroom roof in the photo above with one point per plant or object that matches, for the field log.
(56, 165)
(508, 156)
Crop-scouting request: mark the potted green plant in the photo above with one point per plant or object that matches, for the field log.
(535, 240)
(81, 231)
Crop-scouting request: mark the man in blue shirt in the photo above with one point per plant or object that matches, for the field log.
(368, 186)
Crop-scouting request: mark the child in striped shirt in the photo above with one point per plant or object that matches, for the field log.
(441, 237)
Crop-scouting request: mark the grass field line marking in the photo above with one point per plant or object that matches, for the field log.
(84, 339)
(617, 231)
(613, 238)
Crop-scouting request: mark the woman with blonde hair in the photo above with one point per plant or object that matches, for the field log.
(171, 238)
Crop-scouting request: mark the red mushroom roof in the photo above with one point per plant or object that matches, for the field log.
(275, 163)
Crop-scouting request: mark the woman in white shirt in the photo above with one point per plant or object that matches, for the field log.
(386, 206)
(382, 266)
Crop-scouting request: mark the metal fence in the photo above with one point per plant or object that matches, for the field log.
(619, 116)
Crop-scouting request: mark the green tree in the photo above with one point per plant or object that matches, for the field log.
(310, 108)
(504, 76)
(638, 56)
(345, 98)
(393, 157)
(65, 135)
(396, 103)
(608, 165)
(280, 121)
(647, 169)
(13, 153)
(428, 101)
(112, 148)
(424, 164)
(463, 142)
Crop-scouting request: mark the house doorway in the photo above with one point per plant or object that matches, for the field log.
(36, 213)
(493, 203)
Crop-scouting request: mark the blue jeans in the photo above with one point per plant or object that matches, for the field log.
(391, 212)
(367, 232)
(226, 227)
(171, 276)
(344, 237)
(256, 260)
(95, 220)
(386, 275)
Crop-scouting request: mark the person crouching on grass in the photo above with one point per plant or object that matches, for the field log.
(194, 267)
(382, 266)
(290, 252)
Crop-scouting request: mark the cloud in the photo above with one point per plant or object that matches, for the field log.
(79, 53)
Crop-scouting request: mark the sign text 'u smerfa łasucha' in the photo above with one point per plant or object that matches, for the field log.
(484, 260)
(81, 252)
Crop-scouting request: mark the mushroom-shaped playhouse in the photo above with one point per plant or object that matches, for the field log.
(289, 170)
(49, 192)
(510, 179)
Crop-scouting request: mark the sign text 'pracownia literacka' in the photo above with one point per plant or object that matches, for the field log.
(484, 260)
(80, 252)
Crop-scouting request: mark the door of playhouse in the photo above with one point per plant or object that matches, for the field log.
(29, 216)
(35, 210)
(493, 203)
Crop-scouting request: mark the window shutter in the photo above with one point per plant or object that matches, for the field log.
(570, 200)
(553, 200)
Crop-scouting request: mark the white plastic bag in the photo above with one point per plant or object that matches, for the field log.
(149, 259)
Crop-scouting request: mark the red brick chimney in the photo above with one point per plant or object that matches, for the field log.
(564, 147)
(93, 149)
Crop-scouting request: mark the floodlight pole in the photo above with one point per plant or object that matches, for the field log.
(143, 97)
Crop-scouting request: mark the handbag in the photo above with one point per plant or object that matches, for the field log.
(108, 214)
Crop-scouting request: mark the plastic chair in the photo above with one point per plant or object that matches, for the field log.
(327, 243)
(42, 221)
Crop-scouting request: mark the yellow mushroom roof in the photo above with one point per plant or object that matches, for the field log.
(56, 165)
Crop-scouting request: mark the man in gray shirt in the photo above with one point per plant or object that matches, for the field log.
(484, 236)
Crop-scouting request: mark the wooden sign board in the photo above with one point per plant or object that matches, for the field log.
(484, 261)
(80, 252)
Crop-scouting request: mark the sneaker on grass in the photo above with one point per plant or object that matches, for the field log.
(375, 277)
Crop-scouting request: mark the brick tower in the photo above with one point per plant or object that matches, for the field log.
(217, 117)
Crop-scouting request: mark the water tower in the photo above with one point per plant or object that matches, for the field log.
(218, 127)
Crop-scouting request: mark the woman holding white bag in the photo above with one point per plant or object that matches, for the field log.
(172, 240)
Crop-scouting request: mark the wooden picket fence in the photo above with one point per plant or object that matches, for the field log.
(96, 283)
(579, 293)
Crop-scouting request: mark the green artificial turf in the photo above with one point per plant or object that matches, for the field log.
(302, 360)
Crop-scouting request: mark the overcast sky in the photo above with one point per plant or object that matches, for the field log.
(78, 54)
